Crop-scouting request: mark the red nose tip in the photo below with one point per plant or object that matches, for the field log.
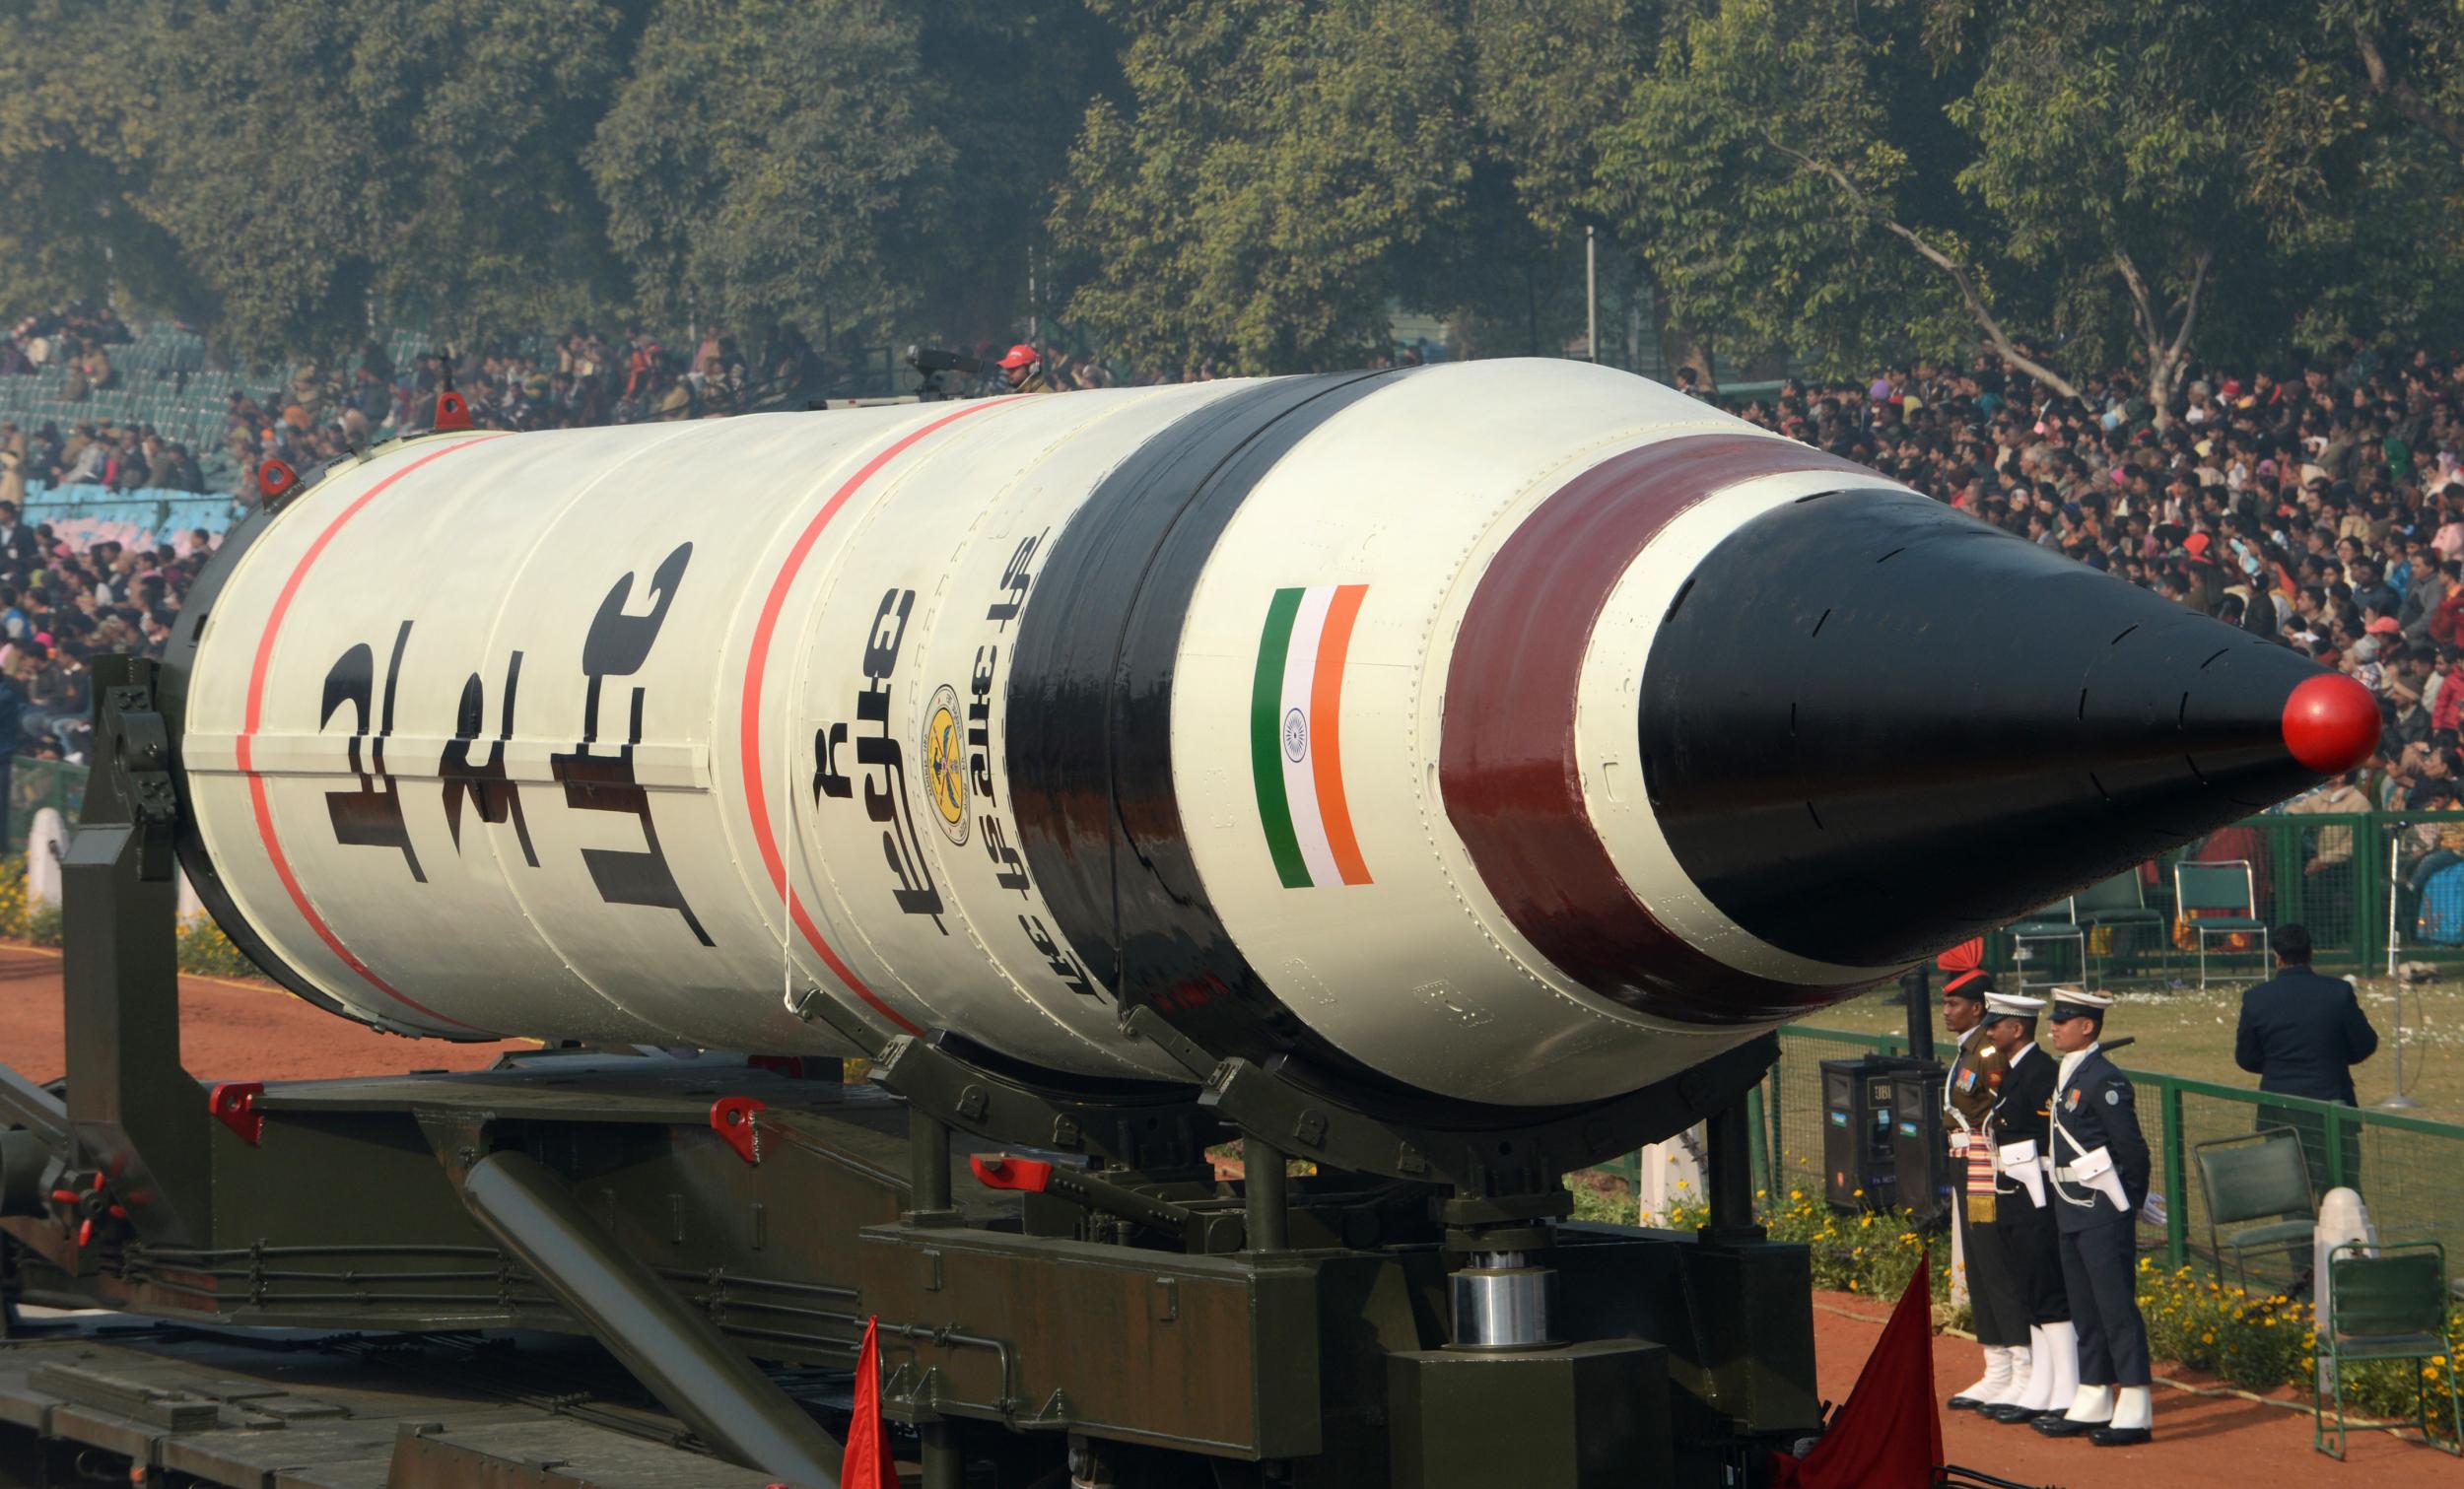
(2331, 723)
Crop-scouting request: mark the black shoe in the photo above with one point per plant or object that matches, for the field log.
(1965, 1403)
(2008, 1412)
(2055, 1425)
(2121, 1437)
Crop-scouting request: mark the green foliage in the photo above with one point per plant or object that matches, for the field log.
(1248, 206)
(314, 162)
(1254, 185)
(204, 951)
(1706, 177)
(773, 158)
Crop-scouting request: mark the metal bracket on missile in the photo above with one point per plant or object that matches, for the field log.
(134, 1113)
(1491, 1161)
(1148, 1129)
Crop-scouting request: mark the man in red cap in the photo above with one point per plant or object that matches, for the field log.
(1023, 367)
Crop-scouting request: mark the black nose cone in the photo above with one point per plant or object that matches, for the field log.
(1872, 727)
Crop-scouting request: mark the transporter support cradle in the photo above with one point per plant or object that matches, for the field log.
(1063, 1290)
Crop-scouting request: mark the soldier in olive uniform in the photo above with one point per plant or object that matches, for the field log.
(2099, 1181)
(2024, 1215)
(1967, 1101)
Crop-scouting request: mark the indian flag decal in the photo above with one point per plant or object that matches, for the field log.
(1295, 735)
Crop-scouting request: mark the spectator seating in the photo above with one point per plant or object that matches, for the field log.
(2260, 1175)
(2388, 1302)
(2218, 899)
(2114, 907)
(2055, 923)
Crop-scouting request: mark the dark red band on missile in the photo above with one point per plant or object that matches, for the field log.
(1507, 766)
(755, 774)
(1088, 736)
(255, 717)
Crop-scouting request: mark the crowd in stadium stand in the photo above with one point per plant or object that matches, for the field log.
(2319, 505)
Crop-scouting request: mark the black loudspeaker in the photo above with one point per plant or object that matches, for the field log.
(1920, 1150)
(1868, 1162)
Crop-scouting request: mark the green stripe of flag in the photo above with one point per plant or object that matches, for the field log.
(1265, 740)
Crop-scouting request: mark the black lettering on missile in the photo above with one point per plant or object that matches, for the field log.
(618, 644)
(371, 816)
(1017, 576)
(829, 781)
(883, 762)
(1063, 964)
(486, 787)
(1011, 870)
(979, 723)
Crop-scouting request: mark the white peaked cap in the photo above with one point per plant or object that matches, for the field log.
(2013, 1004)
(2072, 1000)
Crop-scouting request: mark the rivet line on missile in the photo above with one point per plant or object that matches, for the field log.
(748, 721)
(255, 714)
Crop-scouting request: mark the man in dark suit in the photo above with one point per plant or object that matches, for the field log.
(2301, 1034)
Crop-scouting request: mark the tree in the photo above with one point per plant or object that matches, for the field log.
(72, 158)
(775, 160)
(2112, 150)
(1249, 206)
(1785, 176)
(406, 158)
(2412, 55)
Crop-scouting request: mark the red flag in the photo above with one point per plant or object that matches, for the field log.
(867, 1464)
(1888, 1435)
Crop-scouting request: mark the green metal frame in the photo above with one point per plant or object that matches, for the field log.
(2216, 1243)
(2333, 1352)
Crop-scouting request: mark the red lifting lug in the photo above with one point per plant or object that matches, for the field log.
(999, 1171)
(118, 1212)
(452, 413)
(275, 479)
(233, 1104)
(85, 1232)
(731, 1117)
(65, 1197)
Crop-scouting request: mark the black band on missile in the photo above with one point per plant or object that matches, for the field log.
(1089, 729)
(1854, 772)
(180, 659)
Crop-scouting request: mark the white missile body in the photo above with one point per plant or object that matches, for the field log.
(989, 716)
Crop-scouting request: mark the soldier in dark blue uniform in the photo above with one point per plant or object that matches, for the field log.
(2025, 1211)
(2099, 1181)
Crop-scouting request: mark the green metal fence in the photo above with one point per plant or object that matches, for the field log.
(2409, 1170)
(37, 784)
(2368, 885)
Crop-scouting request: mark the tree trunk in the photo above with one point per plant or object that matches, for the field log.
(1681, 345)
(2167, 347)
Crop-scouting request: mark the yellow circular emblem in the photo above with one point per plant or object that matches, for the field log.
(945, 763)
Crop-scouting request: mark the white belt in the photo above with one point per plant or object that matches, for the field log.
(2094, 1171)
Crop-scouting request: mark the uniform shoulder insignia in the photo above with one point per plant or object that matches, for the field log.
(2112, 1096)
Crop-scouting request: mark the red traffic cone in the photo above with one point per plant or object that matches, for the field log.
(867, 1464)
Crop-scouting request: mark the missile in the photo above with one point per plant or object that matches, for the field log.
(1502, 735)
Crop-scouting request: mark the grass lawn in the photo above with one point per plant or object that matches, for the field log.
(2189, 1033)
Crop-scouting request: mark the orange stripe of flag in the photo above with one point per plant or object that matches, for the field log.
(1325, 704)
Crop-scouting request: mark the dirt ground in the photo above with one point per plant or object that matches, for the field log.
(2201, 1442)
(234, 1030)
(227, 1029)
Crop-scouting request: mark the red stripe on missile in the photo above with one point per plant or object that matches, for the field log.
(749, 715)
(1507, 766)
(246, 748)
